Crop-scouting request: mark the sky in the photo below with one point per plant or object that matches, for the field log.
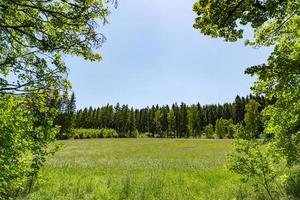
(154, 56)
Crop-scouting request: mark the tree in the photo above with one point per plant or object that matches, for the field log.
(209, 131)
(239, 109)
(252, 118)
(220, 128)
(26, 127)
(192, 121)
(117, 117)
(274, 23)
(171, 123)
(71, 107)
(125, 120)
(97, 124)
(176, 110)
(66, 117)
(231, 129)
(156, 121)
(164, 119)
(183, 120)
(34, 35)
(200, 118)
(132, 124)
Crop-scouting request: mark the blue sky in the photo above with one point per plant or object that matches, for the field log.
(153, 56)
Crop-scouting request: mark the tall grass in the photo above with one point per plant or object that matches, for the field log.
(165, 169)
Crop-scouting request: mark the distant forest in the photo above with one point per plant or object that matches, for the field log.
(176, 121)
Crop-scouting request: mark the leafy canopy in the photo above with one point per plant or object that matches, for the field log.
(34, 37)
(221, 18)
(35, 34)
(276, 23)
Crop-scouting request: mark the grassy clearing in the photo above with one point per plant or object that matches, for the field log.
(137, 169)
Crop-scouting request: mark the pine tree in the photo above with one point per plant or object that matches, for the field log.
(176, 110)
(84, 118)
(183, 120)
(132, 122)
(98, 119)
(239, 110)
(117, 118)
(164, 118)
(200, 119)
(66, 116)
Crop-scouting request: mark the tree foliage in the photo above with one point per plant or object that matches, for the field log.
(34, 37)
(277, 23)
(171, 124)
(176, 121)
(35, 34)
(25, 135)
(252, 118)
(209, 131)
(220, 128)
(192, 120)
(224, 18)
(66, 116)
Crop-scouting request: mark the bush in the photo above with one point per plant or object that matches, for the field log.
(95, 133)
(65, 135)
(262, 172)
(103, 133)
(108, 133)
(134, 134)
(86, 133)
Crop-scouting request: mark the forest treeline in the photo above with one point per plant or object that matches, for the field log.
(175, 121)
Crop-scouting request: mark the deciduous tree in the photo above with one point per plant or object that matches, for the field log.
(277, 23)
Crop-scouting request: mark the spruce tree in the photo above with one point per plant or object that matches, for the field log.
(238, 110)
(183, 120)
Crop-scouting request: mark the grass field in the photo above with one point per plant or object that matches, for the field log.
(138, 169)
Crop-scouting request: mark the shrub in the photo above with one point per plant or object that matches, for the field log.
(258, 168)
(95, 133)
(108, 133)
(134, 134)
(87, 133)
(103, 133)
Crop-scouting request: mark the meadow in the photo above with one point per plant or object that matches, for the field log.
(137, 169)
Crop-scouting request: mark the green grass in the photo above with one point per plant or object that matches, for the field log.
(137, 169)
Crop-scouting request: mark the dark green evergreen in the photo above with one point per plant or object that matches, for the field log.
(163, 121)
